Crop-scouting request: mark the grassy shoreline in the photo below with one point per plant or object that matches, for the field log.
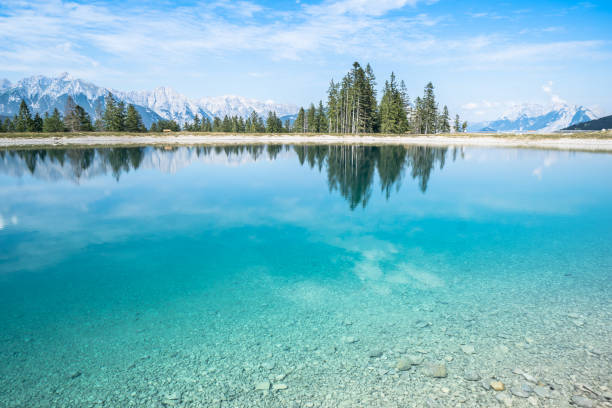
(530, 136)
(583, 141)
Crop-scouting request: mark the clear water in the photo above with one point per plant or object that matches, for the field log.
(152, 277)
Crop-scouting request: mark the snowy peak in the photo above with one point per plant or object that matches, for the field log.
(537, 118)
(46, 93)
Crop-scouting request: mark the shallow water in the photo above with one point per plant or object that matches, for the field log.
(190, 276)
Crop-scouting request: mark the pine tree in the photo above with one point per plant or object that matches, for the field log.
(37, 123)
(311, 122)
(321, 119)
(300, 121)
(133, 121)
(444, 121)
(457, 124)
(120, 115)
(371, 103)
(110, 108)
(430, 110)
(23, 121)
(84, 119)
(53, 123)
(464, 126)
(393, 116)
(273, 123)
(217, 125)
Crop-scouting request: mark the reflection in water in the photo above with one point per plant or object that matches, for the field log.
(350, 168)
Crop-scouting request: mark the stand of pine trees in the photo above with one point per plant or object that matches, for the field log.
(114, 118)
(352, 107)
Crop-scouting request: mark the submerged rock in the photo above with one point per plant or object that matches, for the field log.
(278, 387)
(436, 370)
(375, 353)
(262, 386)
(471, 375)
(521, 392)
(505, 398)
(403, 365)
(582, 402)
(542, 392)
(497, 385)
(467, 349)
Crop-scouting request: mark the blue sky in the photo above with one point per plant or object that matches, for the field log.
(483, 57)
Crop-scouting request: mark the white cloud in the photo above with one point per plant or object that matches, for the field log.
(548, 89)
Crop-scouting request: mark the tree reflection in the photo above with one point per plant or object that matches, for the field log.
(350, 169)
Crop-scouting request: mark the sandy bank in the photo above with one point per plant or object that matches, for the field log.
(561, 142)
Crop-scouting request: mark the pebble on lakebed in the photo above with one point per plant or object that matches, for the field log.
(436, 370)
(497, 385)
(262, 386)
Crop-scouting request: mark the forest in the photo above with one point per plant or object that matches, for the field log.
(352, 107)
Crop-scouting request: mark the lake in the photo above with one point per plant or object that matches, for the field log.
(305, 276)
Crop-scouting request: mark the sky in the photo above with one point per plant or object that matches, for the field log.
(482, 57)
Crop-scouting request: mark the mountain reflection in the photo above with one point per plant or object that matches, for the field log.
(350, 169)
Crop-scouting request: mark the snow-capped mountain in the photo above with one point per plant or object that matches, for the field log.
(43, 94)
(536, 118)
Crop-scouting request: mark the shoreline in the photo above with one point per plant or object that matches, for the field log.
(563, 142)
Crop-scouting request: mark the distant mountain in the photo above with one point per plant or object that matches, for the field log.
(536, 118)
(43, 94)
(597, 124)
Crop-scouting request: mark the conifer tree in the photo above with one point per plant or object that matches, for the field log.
(217, 125)
(23, 121)
(457, 124)
(37, 123)
(321, 120)
(53, 123)
(444, 121)
(133, 120)
(84, 120)
(393, 116)
(300, 122)
(109, 116)
(311, 122)
(430, 110)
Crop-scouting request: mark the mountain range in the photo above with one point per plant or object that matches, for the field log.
(597, 124)
(536, 118)
(43, 94)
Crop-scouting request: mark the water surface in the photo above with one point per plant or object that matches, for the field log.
(188, 276)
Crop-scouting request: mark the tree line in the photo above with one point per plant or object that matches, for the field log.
(352, 107)
(114, 117)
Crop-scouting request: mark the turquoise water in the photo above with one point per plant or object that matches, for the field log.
(281, 276)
